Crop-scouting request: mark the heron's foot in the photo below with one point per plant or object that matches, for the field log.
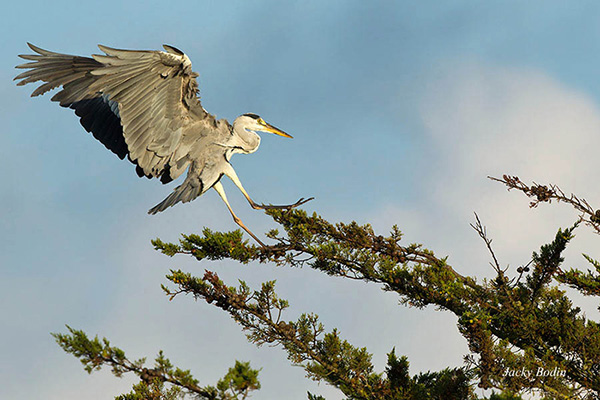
(286, 207)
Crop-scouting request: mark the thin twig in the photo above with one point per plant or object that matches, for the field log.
(480, 229)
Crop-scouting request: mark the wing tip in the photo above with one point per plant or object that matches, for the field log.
(32, 46)
(173, 50)
(32, 57)
(104, 48)
(39, 50)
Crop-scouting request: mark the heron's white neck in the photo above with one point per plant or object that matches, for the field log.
(247, 141)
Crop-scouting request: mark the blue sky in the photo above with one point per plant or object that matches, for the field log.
(399, 111)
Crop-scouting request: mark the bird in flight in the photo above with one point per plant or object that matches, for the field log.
(145, 105)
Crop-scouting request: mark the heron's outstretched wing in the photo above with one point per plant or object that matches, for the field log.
(143, 104)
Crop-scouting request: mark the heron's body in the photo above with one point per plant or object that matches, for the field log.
(144, 105)
(211, 155)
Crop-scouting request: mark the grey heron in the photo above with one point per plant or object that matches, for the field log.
(145, 105)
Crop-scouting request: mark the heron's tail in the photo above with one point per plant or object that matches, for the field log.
(191, 188)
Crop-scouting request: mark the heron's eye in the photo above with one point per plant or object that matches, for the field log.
(261, 121)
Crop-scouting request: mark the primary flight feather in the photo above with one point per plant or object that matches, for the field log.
(144, 105)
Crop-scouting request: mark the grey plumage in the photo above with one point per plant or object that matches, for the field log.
(145, 105)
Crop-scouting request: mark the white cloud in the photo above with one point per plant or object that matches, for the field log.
(493, 119)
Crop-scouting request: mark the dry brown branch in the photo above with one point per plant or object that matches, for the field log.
(547, 193)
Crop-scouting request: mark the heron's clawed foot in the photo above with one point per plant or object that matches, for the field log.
(300, 202)
(285, 207)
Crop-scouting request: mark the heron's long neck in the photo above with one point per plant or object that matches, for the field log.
(246, 140)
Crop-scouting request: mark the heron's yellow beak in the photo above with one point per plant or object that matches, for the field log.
(271, 129)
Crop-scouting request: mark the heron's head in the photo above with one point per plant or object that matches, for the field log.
(254, 123)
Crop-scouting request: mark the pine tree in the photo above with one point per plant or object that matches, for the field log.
(521, 320)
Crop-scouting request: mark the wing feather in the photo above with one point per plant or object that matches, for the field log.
(143, 104)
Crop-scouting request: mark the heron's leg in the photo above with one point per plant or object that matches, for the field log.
(219, 188)
(230, 172)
